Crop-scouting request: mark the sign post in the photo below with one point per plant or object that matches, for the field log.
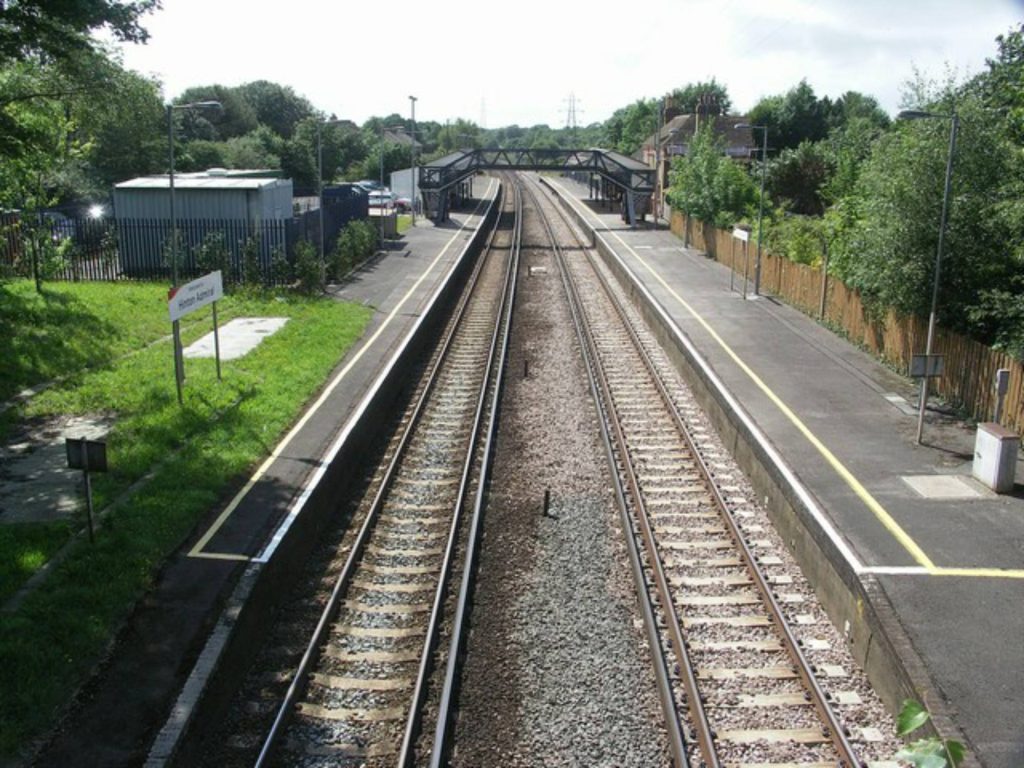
(743, 235)
(190, 297)
(87, 455)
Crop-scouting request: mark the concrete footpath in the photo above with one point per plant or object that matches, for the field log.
(942, 555)
(121, 710)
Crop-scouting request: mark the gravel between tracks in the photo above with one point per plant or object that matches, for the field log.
(557, 671)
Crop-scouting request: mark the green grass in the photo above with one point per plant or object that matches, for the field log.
(198, 451)
(24, 549)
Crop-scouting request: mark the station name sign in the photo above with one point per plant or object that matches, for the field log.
(191, 296)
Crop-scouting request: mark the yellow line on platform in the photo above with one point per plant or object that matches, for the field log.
(197, 550)
(865, 496)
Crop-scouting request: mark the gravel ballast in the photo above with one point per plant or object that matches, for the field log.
(557, 670)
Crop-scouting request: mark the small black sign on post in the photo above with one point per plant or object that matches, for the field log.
(88, 456)
(926, 366)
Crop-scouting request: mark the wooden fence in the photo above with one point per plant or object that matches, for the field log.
(970, 367)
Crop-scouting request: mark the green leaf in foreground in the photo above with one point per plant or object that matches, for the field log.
(931, 752)
(911, 717)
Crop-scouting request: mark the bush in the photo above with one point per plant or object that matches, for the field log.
(213, 255)
(356, 243)
(308, 270)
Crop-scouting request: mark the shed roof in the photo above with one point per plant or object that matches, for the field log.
(188, 181)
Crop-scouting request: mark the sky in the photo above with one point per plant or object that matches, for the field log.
(526, 62)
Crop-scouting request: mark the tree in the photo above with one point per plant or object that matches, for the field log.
(254, 150)
(798, 177)
(236, 116)
(1002, 87)
(59, 30)
(707, 185)
(889, 253)
(628, 128)
(848, 147)
(461, 134)
(276, 106)
(855, 106)
(124, 133)
(686, 99)
(797, 116)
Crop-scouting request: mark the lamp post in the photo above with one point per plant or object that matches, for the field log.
(415, 198)
(760, 207)
(659, 191)
(320, 189)
(954, 124)
(179, 363)
(382, 208)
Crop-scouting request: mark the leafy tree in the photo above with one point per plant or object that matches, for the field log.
(685, 99)
(890, 252)
(33, 129)
(60, 30)
(795, 117)
(236, 116)
(798, 176)
(628, 128)
(708, 185)
(1002, 87)
(276, 106)
(200, 155)
(852, 106)
(124, 133)
(254, 150)
(848, 147)
(461, 134)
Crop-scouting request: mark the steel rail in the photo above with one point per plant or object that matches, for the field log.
(485, 399)
(834, 729)
(442, 730)
(312, 652)
(599, 391)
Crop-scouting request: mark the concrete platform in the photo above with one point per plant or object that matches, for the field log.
(166, 644)
(935, 555)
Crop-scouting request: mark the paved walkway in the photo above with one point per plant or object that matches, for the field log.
(947, 552)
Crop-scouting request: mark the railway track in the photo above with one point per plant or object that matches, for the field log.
(390, 611)
(735, 684)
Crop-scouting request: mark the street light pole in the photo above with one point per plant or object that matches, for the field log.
(657, 162)
(320, 197)
(954, 124)
(760, 207)
(179, 362)
(412, 105)
(382, 207)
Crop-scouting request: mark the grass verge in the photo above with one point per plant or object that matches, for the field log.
(224, 428)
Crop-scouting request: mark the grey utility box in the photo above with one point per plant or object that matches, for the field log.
(995, 456)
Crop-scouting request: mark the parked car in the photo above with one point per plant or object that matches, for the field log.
(403, 204)
(382, 198)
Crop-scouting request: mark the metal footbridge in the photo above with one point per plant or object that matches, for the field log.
(631, 179)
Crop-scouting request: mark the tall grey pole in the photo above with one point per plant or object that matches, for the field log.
(179, 372)
(954, 125)
(412, 102)
(179, 360)
(382, 207)
(320, 198)
(657, 163)
(760, 212)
